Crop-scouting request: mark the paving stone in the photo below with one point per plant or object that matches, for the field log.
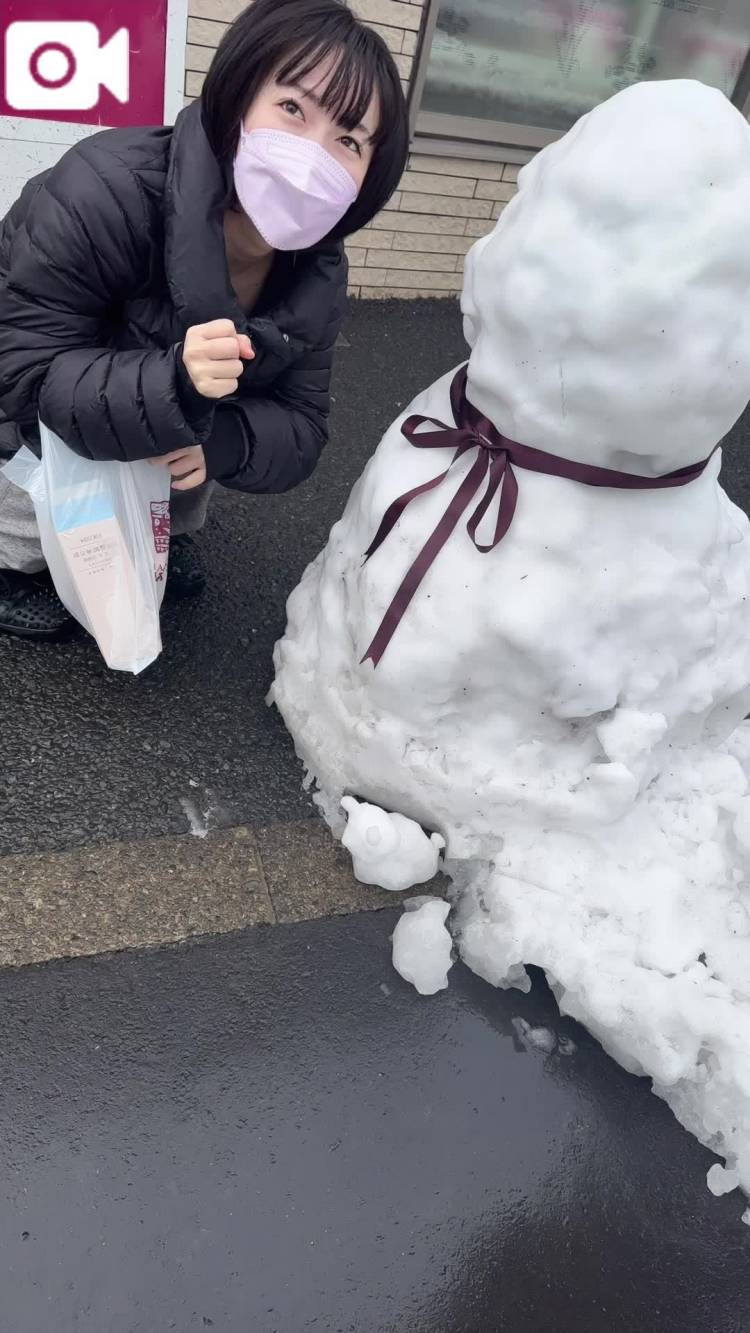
(122, 895)
(309, 874)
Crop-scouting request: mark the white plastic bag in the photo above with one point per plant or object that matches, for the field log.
(104, 529)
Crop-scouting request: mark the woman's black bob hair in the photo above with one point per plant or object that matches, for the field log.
(290, 38)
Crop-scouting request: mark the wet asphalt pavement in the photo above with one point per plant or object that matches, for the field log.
(270, 1133)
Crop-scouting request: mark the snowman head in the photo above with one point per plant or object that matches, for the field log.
(609, 311)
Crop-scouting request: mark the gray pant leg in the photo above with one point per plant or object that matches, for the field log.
(21, 549)
(188, 508)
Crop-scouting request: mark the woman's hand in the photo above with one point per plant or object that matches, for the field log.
(213, 355)
(188, 467)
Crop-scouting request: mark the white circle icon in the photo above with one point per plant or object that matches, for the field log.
(52, 65)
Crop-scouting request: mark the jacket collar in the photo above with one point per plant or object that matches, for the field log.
(195, 260)
(194, 255)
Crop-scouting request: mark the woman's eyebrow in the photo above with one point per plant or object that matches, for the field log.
(313, 97)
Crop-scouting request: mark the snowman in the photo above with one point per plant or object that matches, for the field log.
(529, 633)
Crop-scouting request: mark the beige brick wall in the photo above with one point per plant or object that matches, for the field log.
(415, 247)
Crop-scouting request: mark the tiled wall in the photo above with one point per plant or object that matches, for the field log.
(416, 247)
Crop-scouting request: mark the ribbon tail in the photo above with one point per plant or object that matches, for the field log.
(506, 511)
(508, 502)
(424, 560)
(497, 473)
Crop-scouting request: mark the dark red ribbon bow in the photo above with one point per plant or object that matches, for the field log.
(497, 456)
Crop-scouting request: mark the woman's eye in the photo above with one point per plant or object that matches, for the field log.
(352, 144)
(292, 107)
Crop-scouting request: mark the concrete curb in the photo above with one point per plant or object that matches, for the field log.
(126, 895)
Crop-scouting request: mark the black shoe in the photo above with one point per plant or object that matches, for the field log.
(186, 576)
(30, 608)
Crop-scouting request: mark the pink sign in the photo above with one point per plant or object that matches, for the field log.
(95, 62)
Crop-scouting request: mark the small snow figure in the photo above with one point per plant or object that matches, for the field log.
(389, 850)
(422, 946)
(546, 653)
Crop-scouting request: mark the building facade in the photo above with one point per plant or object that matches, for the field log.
(489, 82)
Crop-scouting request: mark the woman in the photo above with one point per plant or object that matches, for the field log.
(175, 293)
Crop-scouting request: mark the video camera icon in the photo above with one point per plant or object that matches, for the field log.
(60, 66)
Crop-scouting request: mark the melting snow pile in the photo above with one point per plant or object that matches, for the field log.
(422, 947)
(566, 709)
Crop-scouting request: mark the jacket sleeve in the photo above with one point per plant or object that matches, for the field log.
(84, 245)
(271, 444)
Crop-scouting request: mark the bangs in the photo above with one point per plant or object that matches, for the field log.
(352, 85)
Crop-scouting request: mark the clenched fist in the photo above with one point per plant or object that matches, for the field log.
(213, 355)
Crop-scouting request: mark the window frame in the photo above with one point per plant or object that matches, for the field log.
(465, 136)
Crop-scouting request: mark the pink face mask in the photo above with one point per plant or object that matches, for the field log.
(291, 188)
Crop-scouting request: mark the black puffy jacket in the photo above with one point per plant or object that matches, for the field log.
(105, 261)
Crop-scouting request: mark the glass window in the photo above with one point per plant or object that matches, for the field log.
(544, 62)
